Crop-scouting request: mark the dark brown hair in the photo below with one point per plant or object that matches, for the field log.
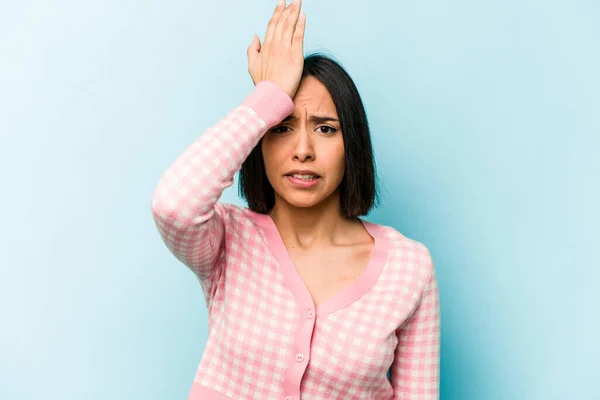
(358, 188)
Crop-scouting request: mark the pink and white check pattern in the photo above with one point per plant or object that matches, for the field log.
(266, 338)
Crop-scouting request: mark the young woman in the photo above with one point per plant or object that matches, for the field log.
(305, 299)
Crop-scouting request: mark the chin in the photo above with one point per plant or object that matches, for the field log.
(301, 201)
(305, 199)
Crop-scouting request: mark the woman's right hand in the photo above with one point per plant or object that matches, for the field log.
(280, 58)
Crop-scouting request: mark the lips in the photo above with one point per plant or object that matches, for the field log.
(303, 172)
(306, 182)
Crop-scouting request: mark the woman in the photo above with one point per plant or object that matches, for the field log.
(305, 299)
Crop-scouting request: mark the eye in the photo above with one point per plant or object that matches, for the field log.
(278, 129)
(328, 129)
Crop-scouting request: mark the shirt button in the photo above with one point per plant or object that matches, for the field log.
(311, 314)
(289, 398)
(299, 357)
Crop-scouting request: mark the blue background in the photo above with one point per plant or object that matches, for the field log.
(485, 118)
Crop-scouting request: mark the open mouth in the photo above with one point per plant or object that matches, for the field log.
(305, 177)
(303, 181)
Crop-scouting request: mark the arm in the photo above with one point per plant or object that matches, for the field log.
(415, 371)
(185, 205)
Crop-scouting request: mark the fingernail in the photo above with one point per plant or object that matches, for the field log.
(302, 16)
(281, 3)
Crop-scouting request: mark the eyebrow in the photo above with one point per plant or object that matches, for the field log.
(313, 118)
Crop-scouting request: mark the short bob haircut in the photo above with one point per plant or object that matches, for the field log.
(358, 191)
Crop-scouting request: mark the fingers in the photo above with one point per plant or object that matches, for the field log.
(298, 38)
(273, 22)
(290, 25)
(286, 23)
(253, 50)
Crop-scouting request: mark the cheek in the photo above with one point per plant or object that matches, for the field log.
(267, 150)
(269, 154)
(338, 159)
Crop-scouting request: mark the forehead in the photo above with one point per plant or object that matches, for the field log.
(312, 96)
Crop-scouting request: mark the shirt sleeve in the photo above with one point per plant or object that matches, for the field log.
(185, 206)
(414, 374)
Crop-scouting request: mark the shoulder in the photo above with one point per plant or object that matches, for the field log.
(237, 212)
(242, 220)
(407, 254)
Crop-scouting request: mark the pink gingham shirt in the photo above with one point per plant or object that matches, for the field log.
(267, 340)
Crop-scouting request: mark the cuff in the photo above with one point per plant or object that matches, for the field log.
(270, 102)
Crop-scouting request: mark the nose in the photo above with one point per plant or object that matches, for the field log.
(304, 150)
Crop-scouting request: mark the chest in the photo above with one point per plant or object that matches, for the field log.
(327, 272)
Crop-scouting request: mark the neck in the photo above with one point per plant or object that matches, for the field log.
(308, 227)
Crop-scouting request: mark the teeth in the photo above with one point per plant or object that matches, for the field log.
(309, 177)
